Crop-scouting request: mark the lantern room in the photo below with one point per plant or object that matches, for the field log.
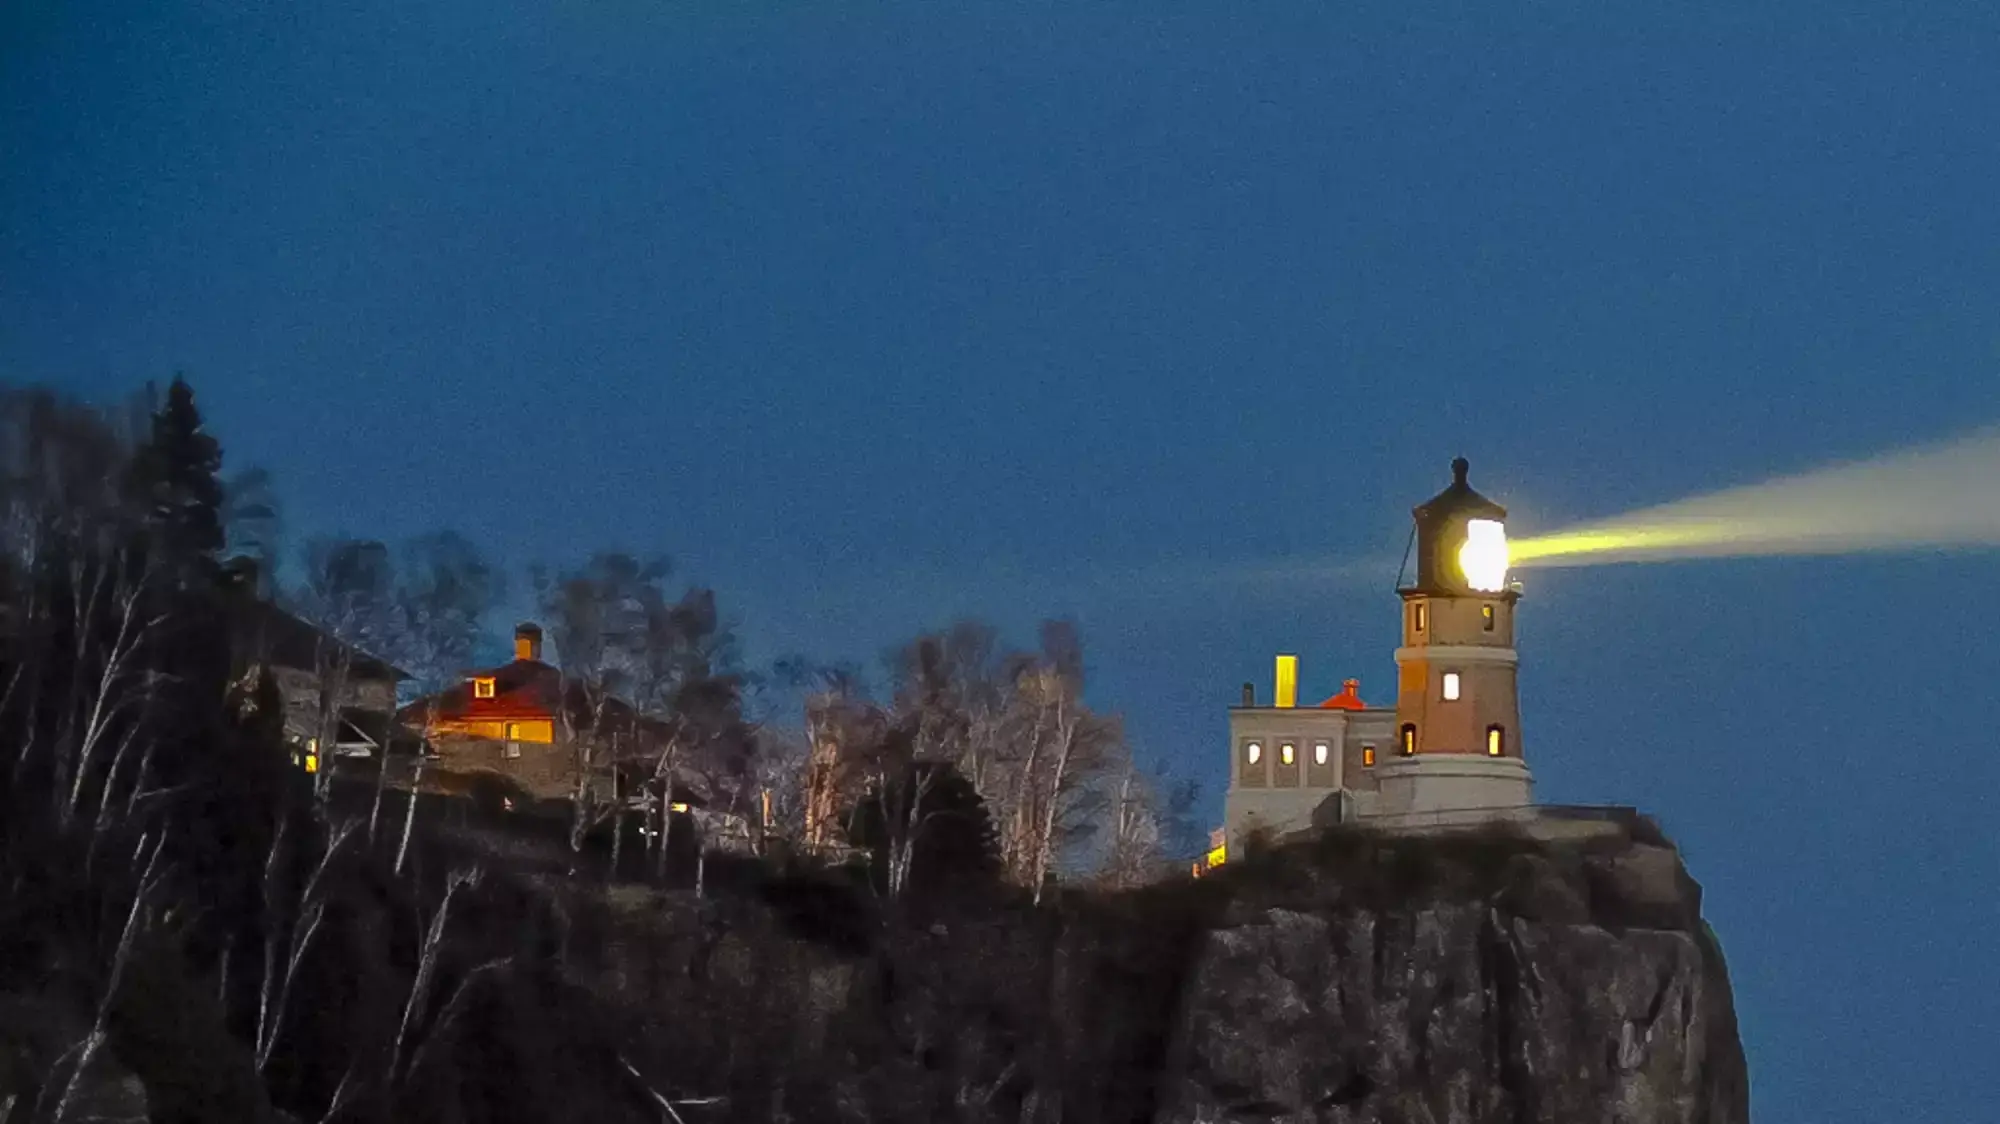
(1461, 540)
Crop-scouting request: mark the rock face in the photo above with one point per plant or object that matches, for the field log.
(1354, 979)
(1585, 989)
(1456, 1014)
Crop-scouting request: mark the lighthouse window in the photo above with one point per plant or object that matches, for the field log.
(1409, 736)
(1496, 741)
(1451, 686)
(1319, 753)
(1417, 616)
(1286, 753)
(1368, 756)
(1486, 617)
(482, 687)
(1253, 753)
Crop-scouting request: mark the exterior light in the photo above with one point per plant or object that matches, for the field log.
(1483, 558)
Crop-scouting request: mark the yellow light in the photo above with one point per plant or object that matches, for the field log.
(1287, 685)
(677, 806)
(1218, 856)
(1483, 558)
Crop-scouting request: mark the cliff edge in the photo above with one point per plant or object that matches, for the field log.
(1470, 978)
(1508, 979)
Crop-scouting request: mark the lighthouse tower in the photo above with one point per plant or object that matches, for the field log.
(1457, 748)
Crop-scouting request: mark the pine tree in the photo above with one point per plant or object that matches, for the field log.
(930, 818)
(174, 482)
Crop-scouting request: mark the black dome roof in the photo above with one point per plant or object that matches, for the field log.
(1459, 499)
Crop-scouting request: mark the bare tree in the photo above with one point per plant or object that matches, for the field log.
(649, 690)
(598, 614)
(1147, 820)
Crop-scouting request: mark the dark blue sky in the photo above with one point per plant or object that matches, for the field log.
(875, 314)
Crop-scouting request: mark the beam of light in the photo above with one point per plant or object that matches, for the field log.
(1936, 496)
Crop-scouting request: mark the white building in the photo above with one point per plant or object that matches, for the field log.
(1449, 751)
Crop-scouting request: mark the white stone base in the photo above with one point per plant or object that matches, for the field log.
(1453, 786)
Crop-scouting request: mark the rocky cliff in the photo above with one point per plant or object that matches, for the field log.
(1458, 979)
(1445, 980)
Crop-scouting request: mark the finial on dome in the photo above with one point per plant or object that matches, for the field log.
(1459, 467)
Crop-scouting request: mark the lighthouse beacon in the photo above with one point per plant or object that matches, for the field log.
(1457, 752)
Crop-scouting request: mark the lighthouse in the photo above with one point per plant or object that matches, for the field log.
(1458, 744)
(1448, 753)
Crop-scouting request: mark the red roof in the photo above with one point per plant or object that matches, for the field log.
(523, 690)
(1349, 698)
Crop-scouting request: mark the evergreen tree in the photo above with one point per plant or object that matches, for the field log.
(931, 817)
(174, 482)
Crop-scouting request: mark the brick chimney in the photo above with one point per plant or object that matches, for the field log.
(527, 641)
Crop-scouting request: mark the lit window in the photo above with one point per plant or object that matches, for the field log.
(1417, 616)
(1496, 741)
(1409, 736)
(482, 687)
(1320, 751)
(1286, 754)
(1253, 753)
(1368, 756)
(1451, 686)
(1486, 617)
(677, 806)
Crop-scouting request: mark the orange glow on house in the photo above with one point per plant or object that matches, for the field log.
(515, 702)
(519, 703)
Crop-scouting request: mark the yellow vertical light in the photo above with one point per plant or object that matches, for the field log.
(1287, 692)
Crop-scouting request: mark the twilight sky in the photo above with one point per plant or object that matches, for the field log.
(1159, 315)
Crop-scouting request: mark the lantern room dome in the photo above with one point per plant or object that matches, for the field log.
(1459, 500)
(1444, 523)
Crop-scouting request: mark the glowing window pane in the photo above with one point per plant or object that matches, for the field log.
(1496, 741)
(1451, 686)
(482, 688)
(1286, 754)
(1253, 753)
(1486, 617)
(1417, 616)
(1483, 558)
(1319, 753)
(1409, 739)
(1368, 756)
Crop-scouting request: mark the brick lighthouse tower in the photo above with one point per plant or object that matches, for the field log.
(1458, 715)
